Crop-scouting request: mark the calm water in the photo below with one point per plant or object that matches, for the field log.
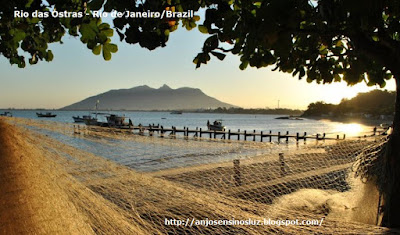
(231, 121)
(149, 154)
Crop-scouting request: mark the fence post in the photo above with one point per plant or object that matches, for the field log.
(254, 135)
(261, 136)
(237, 174)
(282, 164)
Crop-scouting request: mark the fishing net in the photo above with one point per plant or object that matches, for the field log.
(55, 179)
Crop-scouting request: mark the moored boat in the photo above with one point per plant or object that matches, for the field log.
(216, 126)
(6, 114)
(46, 115)
(83, 118)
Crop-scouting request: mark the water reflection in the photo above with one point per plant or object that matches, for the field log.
(351, 129)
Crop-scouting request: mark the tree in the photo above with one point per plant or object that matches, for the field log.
(318, 108)
(323, 41)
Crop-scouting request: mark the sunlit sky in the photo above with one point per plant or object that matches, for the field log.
(76, 73)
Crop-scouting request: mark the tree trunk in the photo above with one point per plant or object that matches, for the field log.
(391, 189)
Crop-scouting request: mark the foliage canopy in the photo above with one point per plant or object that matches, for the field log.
(325, 41)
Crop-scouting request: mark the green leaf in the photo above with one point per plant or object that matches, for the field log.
(203, 29)
(97, 49)
(108, 32)
(29, 3)
(112, 47)
(220, 56)
(166, 32)
(244, 65)
(49, 56)
(106, 53)
(88, 32)
(104, 26)
(19, 35)
(96, 4)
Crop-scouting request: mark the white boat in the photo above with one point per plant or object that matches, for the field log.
(216, 126)
(83, 118)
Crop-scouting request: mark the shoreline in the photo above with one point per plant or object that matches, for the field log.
(367, 122)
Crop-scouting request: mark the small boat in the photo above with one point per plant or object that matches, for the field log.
(286, 117)
(92, 122)
(216, 126)
(82, 119)
(46, 115)
(176, 112)
(6, 114)
(113, 120)
(289, 118)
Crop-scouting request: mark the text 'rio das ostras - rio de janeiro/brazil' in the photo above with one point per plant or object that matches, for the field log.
(165, 14)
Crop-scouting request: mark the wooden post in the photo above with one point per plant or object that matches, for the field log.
(287, 136)
(215, 134)
(305, 138)
(238, 134)
(162, 132)
(237, 174)
(200, 132)
(270, 136)
(261, 136)
(254, 135)
(279, 136)
(297, 137)
(344, 136)
(229, 134)
(245, 135)
(282, 164)
(337, 137)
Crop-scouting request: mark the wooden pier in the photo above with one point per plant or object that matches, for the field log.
(245, 135)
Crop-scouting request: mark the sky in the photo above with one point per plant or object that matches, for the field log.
(76, 73)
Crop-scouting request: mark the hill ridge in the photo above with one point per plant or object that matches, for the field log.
(147, 98)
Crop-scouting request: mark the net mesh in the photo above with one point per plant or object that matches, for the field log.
(104, 181)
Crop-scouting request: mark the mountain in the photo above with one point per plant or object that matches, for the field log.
(147, 98)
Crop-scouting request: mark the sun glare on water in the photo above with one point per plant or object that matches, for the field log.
(351, 129)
